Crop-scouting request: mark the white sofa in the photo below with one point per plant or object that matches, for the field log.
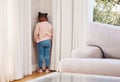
(100, 56)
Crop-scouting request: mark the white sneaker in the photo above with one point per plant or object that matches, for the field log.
(47, 71)
(40, 71)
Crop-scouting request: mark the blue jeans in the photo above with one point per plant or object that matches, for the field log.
(44, 52)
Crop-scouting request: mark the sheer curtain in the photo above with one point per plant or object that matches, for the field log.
(15, 39)
(70, 19)
(3, 41)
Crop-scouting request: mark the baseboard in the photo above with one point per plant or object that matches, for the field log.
(34, 67)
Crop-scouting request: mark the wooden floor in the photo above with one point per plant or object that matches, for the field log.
(34, 75)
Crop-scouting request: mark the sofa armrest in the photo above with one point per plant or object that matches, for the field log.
(87, 52)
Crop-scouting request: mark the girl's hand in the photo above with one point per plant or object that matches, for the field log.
(35, 40)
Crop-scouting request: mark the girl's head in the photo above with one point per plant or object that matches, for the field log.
(42, 17)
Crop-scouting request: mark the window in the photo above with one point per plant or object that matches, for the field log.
(107, 11)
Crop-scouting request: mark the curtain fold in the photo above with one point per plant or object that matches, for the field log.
(3, 42)
(15, 39)
(56, 43)
(70, 19)
(80, 22)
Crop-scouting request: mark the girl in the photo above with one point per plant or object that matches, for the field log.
(43, 36)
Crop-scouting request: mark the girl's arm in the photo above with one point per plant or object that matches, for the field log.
(36, 33)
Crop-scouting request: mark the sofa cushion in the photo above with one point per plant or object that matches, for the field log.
(87, 52)
(105, 36)
(96, 66)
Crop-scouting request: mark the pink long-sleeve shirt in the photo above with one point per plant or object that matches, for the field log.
(43, 31)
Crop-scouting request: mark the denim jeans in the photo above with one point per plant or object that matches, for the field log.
(44, 52)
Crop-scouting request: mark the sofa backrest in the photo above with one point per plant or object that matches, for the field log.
(107, 37)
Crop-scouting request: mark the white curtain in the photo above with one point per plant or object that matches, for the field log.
(70, 19)
(15, 39)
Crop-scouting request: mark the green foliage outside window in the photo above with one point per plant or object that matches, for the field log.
(104, 13)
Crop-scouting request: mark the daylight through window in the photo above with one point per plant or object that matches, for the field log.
(107, 11)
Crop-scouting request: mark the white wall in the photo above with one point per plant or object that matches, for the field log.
(34, 10)
(46, 6)
(36, 6)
